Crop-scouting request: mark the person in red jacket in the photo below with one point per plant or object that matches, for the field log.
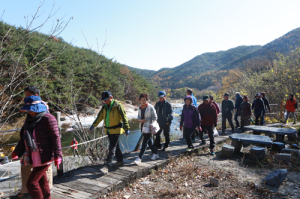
(209, 118)
(290, 106)
(40, 137)
(74, 144)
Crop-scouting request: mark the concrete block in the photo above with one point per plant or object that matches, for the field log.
(227, 151)
(275, 178)
(257, 153)
(294, 152)
(277, 146)
(238, 146)
(284, 157)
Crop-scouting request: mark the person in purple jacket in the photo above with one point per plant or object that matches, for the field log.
(191, 119)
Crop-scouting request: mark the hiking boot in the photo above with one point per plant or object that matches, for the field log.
(203, 143)
(212, 151)
(294, 123)
(155, 156)
(189, 149)
(138, 161)
(137, 148)
(119, 164)
(165, 149)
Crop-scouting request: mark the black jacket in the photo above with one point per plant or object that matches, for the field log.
(164, 113)
(238, 103)
(266, 102)
(227, 107)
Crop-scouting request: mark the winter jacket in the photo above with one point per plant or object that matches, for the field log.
(47, 139)
(245, 109)
(238, 102)
(74, 147)
(266, 102)
(164, 113)
(194, 100)
(216, 106)
(150, 116)
(116, 116)
(227, 107)
(259, 107)
(190, 117)
(208, 113)
(290, 105)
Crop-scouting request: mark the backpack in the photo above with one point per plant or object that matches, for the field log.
(296, 105)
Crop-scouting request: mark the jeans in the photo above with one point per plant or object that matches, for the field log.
(166, 129)
(37, 183)
(261, 120)
(236, 119)
(75, 151)
(210, 130)
(229, 118)
(114, 148)
(147, 141)
(188, 136)
(288, 114)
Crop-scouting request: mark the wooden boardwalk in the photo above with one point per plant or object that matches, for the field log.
(89, 182)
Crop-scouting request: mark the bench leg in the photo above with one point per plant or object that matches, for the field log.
(279, 138)
(256, 132)
(238, 146)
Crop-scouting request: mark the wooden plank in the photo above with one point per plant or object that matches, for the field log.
(82, 186)
(117, 185)
(60, 186)
(94, 182)
(70, 193)
(55, 195)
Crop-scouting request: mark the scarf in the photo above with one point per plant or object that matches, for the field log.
(28, 127)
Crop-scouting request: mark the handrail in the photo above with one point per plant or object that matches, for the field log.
(84, 142)
(10, 130)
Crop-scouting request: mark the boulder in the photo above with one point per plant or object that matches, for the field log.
(227, 151)
(275, 178)
(284, 157)
(294, 152)
(257, 153)
(214, 182)
(277, 146)
(128, 102)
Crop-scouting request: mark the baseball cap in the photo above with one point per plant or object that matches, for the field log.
(161, 94)
(106, 95)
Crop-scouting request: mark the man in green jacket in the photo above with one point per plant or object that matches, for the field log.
(227, 108)
(115, 124)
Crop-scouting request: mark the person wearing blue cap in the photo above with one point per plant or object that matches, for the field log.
(115, 124)
(164, 113)
(40, 138)
(258, 106)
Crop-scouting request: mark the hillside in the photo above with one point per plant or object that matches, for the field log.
(176, 77)
(71, 75)
(208, 69)
(143, 72)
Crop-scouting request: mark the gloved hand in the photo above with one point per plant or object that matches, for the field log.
(14, 156)
(127, 132)
(57, 162)
(92, 128)
(181, 128)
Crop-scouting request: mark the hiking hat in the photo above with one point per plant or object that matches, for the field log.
(226, 94)
(189, 97)
(205, 98)
(106, 95)
(34, 103)
(237, 93)
(257, 94)
(161, 94)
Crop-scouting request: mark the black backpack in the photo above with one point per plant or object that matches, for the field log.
(296, 105)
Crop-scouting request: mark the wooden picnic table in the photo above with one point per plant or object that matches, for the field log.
(238, 139)
(280, 132)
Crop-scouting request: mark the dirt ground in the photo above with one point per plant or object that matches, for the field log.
(239, 177)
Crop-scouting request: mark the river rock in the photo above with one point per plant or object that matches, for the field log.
(284, 157)
(128, 102)
(214, 182)
(227, 151)
(275, 178)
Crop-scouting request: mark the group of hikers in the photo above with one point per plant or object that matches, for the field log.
(40, 142)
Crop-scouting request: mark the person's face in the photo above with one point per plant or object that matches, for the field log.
(206, 101)
(209, 100)
(28, 93)
(31, 113)
(74, 139)
(244, 100)
(290, 97)
(226, 97)
(188, 102)
(262, 95)
(162, 98)
(257, 97)
(188, 93)
(107, 102)
(143, 101)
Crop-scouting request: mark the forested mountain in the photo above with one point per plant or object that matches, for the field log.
(208, 69)
(143, 72)
(66, 74)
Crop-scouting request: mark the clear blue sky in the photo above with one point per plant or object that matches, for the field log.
(154, 34)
